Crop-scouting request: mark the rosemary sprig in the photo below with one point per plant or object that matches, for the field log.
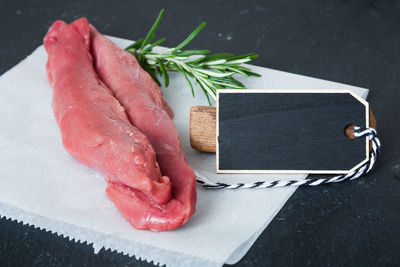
(209, 72)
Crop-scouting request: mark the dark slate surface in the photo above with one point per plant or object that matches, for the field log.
(354, 42)
(289, 131)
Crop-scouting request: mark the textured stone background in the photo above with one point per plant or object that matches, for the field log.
(353, 42)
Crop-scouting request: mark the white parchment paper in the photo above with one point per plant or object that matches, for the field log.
(42, 185)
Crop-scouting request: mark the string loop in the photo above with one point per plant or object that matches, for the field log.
(359, 132)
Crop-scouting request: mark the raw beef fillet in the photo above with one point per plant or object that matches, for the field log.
(148, 111)
(94, 126)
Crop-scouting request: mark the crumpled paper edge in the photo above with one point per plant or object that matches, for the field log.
(99, 241)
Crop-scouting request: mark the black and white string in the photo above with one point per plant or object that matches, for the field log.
(359, 132)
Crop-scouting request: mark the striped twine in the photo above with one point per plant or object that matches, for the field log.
(370, 133)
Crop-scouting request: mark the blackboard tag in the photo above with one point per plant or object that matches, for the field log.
(289, 131)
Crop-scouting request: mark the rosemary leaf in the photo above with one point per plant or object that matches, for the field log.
(150, 36)
(135, 45)
(163, 72)
(190, 37)
(188, 53)
(249, 55)
(150, 47)
(187, 79)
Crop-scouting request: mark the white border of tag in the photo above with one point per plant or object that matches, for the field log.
(323, 91)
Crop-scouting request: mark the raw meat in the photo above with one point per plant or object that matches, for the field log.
(147, 110)
(96, 130)
(94, 126)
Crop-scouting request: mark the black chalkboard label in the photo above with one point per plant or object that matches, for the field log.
(287, 131)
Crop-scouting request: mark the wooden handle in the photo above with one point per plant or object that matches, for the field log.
(203, 128)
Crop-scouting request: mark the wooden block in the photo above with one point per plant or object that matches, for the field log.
(203, 131)
(203, 128)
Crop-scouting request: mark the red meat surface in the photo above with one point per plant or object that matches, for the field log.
(96, 130)
(94, 126)
(144, 103)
